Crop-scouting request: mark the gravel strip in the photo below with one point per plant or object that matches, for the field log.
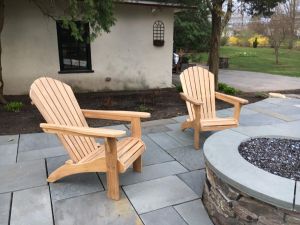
(276, 155)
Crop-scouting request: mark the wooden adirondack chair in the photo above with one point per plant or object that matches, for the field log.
(199, 93)
(58, 105)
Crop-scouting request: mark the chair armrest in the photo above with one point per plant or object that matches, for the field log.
(82, 131)
(231, 99)
(190, 99)
(114, 115)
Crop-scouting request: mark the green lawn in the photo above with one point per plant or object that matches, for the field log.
(260, 60)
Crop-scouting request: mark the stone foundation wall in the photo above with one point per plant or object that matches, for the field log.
(228, 206)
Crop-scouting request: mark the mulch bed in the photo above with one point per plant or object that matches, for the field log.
(162, 103)
(275, 155)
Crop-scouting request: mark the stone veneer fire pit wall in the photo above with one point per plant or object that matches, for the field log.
(237, 192)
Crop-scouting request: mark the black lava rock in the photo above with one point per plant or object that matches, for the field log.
(276, 155)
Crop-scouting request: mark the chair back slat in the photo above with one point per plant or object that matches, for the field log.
(58, 105)
(198, 83)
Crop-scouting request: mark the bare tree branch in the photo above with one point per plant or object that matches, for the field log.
(44, 9)
(228, 14)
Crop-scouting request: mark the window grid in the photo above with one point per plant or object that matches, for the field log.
(158, 33)
(74, 56)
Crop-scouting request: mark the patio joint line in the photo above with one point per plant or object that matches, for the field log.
(272, 114)
(10, 207)
(295, 195)
(240, 132)
(23, 189)
(52, 209)
(126, 196)
(97, 174)
(18, 145)
(169, 155)
(180, 214)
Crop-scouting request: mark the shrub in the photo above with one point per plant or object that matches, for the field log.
(227, 89)
(144, 108)
(179, 88)
(262, 41)
(185, 59)
(261, 95)
(13, 106)
(195, 58)
(234, 41)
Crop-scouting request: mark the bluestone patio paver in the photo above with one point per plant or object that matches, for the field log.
(184, 138)
(165, 216)
(290, 129)
(155, 194)
(158, 122)
(195, 180)
(41, 153)
(71, 186)
(95, 209)
(155, 129)
(180, 119)
(22, 175)
(194, 213)
(36, 141)
(189, 157)
(4, 208)
(287, 113)
(165, 141)
(31, 206)
(8, 154)
(283, 102)
(9, 139)
(258, 119)
(230, 112)
(168, 191)
(154, 154)
(174, 126)
(155, 126)
(149, 173)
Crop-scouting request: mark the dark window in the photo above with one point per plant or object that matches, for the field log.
(74, 55)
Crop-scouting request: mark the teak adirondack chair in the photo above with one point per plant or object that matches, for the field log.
(58, 105)
(199, 94)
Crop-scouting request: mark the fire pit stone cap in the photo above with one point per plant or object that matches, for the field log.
(223, 158)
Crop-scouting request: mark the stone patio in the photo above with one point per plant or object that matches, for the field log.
(168, 191)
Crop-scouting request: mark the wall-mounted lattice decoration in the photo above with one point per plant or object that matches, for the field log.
(158, 33)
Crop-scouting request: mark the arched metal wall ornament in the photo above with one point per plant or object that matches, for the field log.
(158, 33)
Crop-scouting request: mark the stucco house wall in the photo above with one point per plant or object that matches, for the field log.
(126, 55)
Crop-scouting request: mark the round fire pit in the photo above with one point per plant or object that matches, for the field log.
(253, 175)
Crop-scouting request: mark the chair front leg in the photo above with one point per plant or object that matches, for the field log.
(112, 173)
(136, 131)
(196, 126)
(237, 111)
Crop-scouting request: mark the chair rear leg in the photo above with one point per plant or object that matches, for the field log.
(137, 164)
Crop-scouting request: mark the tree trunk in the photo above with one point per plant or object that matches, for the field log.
(2, 99)
(276, 48)
(213, 60)
(292, 23)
